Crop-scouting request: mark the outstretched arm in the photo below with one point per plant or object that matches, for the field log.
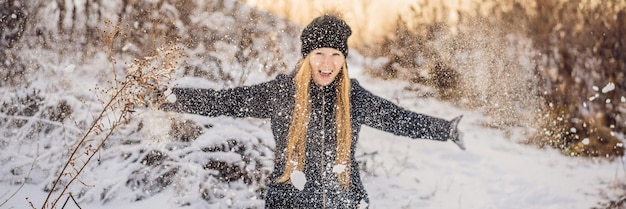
(382, 114)
(246, 101)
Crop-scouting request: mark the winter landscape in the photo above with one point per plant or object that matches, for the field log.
(79, 77)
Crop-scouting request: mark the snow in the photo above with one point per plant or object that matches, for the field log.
(495, 170)
(609, 87)
(339, 168)
(298, 179)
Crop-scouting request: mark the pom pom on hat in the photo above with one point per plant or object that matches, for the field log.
(326, 31)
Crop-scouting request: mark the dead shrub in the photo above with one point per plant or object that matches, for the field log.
(582, 67)
(573, 78)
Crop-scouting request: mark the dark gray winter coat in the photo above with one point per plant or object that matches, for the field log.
(275, 100)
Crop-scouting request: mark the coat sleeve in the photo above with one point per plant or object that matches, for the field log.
(246, 101)
(384, 115)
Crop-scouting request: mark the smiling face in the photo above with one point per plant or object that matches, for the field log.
(326, 63)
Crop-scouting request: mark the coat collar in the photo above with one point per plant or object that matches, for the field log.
(324, 89)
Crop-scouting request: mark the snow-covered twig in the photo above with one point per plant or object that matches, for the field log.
(142, 79)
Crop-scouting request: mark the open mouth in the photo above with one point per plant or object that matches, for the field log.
(326, 72)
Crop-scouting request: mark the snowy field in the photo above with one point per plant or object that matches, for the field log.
(494, 172)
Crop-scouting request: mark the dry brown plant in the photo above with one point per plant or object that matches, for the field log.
(140, 86)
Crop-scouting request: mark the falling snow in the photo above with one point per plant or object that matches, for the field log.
(609, 87)
(143, 166)
(298, 179)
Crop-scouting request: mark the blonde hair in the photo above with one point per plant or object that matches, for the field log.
(296, 139)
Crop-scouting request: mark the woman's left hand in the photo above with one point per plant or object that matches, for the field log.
(456, 136)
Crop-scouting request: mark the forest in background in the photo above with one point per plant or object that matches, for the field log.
(556, 66)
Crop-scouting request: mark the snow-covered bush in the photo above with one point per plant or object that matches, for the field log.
(77, 54)
(12, 22)
(476, 62)
(525, 65)
(582, 68)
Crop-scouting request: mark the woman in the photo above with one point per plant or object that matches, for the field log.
(316, 114)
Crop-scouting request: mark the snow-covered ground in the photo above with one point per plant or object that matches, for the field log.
(494, 171)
